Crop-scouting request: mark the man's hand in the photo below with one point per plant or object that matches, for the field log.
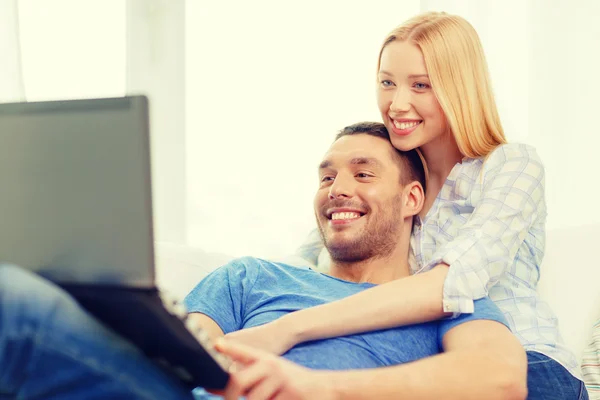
(273, 337)
(262, 376)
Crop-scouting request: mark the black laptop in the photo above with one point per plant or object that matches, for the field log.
(76, 208)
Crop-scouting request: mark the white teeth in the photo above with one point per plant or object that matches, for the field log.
(406, 125)
(345, 215)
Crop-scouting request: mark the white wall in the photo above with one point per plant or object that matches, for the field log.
(268, 83)
(564, 102)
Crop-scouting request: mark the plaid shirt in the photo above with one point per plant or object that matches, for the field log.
(488, 224)
(590, 365)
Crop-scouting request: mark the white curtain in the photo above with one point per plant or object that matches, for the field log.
(72, 48)
(248, 95)
(11, 77)
(155, 66)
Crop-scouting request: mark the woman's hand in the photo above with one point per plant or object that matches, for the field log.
(274, 337)
(259, 375)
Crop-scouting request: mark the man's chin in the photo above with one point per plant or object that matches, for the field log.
(347, 250)
(342, 239)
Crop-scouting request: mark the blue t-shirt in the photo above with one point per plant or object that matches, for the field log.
(249, 292)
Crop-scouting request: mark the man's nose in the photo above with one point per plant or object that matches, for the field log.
(341, 187)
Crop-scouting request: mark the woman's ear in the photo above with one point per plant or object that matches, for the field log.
(414, 198)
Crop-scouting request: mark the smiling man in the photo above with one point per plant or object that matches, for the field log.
(367, 197)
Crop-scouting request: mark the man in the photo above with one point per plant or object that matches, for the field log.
(49, 347)
(368, 194)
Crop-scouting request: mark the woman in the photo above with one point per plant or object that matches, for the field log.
(482, 230)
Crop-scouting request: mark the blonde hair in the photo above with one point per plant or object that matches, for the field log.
(459, 77)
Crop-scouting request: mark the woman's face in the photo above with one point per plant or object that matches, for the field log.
(407, 103)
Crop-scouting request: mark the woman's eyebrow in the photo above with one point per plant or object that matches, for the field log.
(418, 76)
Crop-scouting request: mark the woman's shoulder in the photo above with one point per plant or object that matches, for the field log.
(515, 154)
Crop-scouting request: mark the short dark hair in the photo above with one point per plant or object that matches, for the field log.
(410, 163)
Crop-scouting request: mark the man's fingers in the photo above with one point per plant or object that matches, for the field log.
(265, 389)
(237, 351)
(232, 391)
(243, 381)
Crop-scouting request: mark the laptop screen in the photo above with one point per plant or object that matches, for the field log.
(75, 203)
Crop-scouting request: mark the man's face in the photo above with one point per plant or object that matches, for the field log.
(358, 204)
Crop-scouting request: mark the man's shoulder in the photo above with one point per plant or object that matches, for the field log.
(257, 264)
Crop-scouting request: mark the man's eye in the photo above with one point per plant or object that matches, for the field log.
(326, 178)
(363, 175)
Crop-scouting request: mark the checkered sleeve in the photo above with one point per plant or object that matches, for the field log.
(590, 366)
(511, 203)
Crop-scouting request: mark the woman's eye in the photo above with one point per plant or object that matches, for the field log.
(386, 83)
(421, 86)
(364, 175)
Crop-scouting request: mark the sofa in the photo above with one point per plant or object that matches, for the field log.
(570, 278)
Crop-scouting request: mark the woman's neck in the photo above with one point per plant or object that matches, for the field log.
(441, 155)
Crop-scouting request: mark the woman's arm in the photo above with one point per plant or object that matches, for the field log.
(376, 308)
(405, 301)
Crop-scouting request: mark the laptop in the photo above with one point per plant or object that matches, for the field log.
(76, 208)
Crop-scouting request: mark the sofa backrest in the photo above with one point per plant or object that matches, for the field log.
(570, 282)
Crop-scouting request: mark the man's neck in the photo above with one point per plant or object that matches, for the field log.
(375, 270)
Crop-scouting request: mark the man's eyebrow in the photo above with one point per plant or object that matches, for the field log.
(324, 164)
(355, 161)
(366, 161)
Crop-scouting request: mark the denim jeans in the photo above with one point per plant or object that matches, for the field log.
(51, 348)
(548, 380)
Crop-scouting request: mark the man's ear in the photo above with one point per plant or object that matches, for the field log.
(414, 198)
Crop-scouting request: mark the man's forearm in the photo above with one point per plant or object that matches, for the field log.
(207, 324)
(405, 301)
(456, 375)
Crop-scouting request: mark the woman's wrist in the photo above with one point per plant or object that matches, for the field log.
(294, 329)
